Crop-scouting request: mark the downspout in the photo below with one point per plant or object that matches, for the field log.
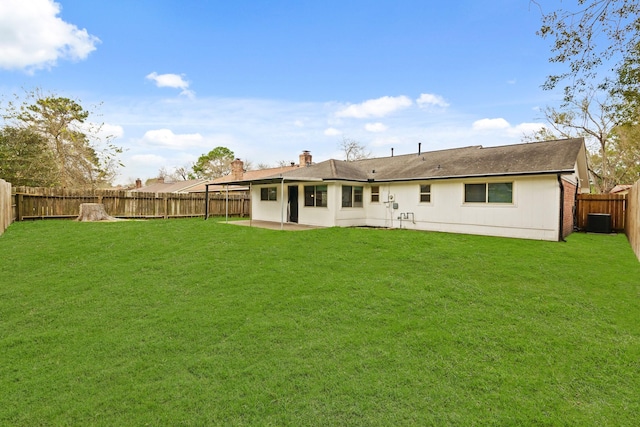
(561, 228)
(227, 205)
(575, 206)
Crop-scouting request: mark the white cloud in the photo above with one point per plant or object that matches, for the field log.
(166, 138)
(32, 36)
(375, 127)
(428, 99)
(147, 159)
(103, 131)
(375, 107)
(525, 129)
(264, 130)
(491, 124)
(175, 81)
(501, 126)
(115, 131)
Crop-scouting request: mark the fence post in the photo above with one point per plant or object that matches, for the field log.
(166, 207)
(19, 207)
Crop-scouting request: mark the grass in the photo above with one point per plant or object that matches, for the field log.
(191, 322)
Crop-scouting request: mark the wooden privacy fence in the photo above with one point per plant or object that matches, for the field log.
(6, 209)
(632, 228)
(612, 204)
(41, 203)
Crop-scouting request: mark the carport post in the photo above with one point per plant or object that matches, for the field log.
(282, 207)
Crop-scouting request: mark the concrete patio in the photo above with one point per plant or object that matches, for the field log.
(288, 226)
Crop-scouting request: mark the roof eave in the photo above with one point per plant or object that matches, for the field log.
(482, 175)
(272, 180)
(278, 180)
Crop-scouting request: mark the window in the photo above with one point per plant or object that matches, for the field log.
(269, 193)
(501, 192)
(315, 195)
(425, 193)
(351, 196)
(375, 193)
(493, 192)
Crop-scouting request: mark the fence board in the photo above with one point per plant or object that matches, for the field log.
(633, 218)
(6, 205)
(612, 204)
(40, 203)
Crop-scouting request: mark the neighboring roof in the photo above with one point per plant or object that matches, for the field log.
(256, 174)
(621, 188)
(201, 188)
(170, 187)
(247, 176)
(545, 157)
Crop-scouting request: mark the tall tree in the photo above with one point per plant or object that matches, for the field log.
(599, 41)
(73, 142)
(625, 155)
(214, 164)
(597, 122)
(353, 150)
(25, 159)
(599, 33)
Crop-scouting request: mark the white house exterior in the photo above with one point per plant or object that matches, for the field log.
(523, 191)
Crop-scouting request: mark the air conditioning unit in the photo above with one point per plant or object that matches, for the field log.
(598, 223)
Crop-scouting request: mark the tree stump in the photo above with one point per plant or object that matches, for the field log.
(94, 212)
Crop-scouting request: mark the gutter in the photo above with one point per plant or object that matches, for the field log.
(441, 178)
(486, 175)
(561, 224)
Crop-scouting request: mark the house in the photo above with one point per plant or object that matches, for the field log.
(160, 186)
(621, 189)
(241, 177)
(523, 190)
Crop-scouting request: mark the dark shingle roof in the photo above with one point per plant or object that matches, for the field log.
(519, 159)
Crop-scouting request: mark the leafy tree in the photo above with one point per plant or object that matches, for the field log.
(614, 147)
(214, 164)
(625, 156)
(25, 159)
(353, 150)
(599, 41)
(71, 140)
(586, 39)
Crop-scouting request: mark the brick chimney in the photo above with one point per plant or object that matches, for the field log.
(305, 158)
(160, 180)
(237, 169)
(138, 183)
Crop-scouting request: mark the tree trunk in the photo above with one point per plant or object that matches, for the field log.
(94, 212)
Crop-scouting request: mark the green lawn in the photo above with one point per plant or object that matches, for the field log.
(191, 322)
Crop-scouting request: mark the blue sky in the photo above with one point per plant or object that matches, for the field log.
(269, 79)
